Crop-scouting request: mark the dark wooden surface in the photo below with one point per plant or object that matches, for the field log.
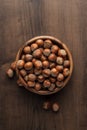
(21, 20)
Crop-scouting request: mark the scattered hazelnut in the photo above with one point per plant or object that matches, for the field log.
(52, 57)
(37, 71)
(19, 82)
(59, 68)
(53, 80)
(10, 73)
(62, 53)
(27, 50)
(26, 78)
(20, 64)
(34, 46)
(38, 64)
(66, 63)
(28, 57)
(54, 72)
(46, 52)
(59, 60)
(31, 84)
(32, 77)
(46, 72)
(52, 87)
(46, 84)
(37, 86)
(28, 65)
(40, 78)
(52, 65)
(46, 105)
(47, 43)
(13, 65)
(66, 72)
(40, 42)
(59, 84)
(54, 49)
(37, 53)
(43, 58)
(45, 64)
(23, 72)
(60, 77)
(55, 107)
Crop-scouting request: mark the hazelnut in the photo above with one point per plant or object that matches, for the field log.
(46, 52)
(23, 72)
(37, 86)
(52, 57)
(59, 84)
(37, 71)
(32, 77)
(60, 77)
(23, 57)
(59, 60)
(46, 72)
(37, 53)
(54, 72)
(40, 78)
(19, 82)
(66, 63)
(62, 53)
(20, 64)
(52, 65)
(13, 65)
(41, 49)
(45, 64)
(28, 57)
(38, 64)
(46, 105)
(59, 68)
(28, 65)
(26, 78)
(53, 80)
(54, 49)
(33, 60)
(55, 107)
(43, 58)
(30, 71)
(46, 84)
(27, 50)
(10, 73)
(52, 87)
(66, 72)
(34, 46)
(47, 43)
(40, 42)
(31, 84)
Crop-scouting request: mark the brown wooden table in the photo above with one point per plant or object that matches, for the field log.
(21, 20)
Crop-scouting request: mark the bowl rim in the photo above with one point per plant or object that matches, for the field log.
(69, 56)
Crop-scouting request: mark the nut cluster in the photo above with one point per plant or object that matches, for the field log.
(43, 65)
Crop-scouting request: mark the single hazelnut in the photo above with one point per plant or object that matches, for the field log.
(20, 64)
(34, 46)
(40, 42)
(40, 78)
(52, 65)
(37, 71)
(46, 52)
(46, 72)
(38, 64)
(66, 63)
(37, 86)
(23, 57)
(59, 60)
(52, 57)
(52, 87)
(66, 72)
(55, 107)
(26, 78)
(62, 53)
(23, 72)
(59, 84)
(28, 65)
(31, 84)
(46, 105)
(59, 68)
(28, 57)
(43, 58)
(32, 77)
(27, 50)
(47, 43)
(54, 49)
(37, 53)
(60, 77)
(46, 84)
(54, 72)
(10, 73)
(19, 83)
(45, 64)
(13, 65)
(53, 80)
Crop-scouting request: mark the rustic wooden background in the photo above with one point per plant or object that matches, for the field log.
(21, 20)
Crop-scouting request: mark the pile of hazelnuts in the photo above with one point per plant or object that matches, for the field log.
(44, 65)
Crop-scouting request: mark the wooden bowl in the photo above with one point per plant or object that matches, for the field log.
(60, 44)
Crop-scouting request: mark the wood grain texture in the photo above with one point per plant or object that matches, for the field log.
(21, 20)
